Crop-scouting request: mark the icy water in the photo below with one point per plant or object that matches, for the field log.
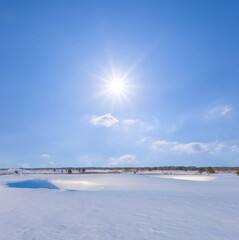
(32, 184)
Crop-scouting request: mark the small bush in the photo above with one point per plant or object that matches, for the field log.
(16, 172)
(238, 172)
(201, 170)
(210, 170)
(69, 171)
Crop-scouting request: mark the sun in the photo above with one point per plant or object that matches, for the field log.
(116, 87)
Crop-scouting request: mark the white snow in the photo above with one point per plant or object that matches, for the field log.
(77, 184)
(121, 207)
(191, 178)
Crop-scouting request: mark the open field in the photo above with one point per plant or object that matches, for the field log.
(122, 206)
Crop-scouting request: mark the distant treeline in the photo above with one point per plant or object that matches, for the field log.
(182, 168)
(165, 168)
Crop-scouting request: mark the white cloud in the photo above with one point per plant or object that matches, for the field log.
(25, 165)
(139, 124)
(145, 141)
(106, 120)
(45, 155)
(163, 145)
(193, 147)
(125, 159)
(130, 121)
(219, 146)
(51, 163)
(218, 111)
(212, 148)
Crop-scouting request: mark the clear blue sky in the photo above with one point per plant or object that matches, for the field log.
(180, 103)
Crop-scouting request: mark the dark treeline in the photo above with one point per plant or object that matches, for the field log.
(184, 168)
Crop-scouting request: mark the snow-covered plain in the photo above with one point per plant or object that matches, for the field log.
(124, 206)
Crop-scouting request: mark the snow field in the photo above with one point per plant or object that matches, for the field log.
(120, 207)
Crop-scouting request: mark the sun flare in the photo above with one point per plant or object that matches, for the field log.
(117, 87)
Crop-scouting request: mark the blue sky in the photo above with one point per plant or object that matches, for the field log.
(179, 103)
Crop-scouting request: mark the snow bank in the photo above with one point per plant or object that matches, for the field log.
(77, 185)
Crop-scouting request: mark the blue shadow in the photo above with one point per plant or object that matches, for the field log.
(32, 184)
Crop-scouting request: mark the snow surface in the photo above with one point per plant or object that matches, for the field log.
(191, 178)
(122, 206)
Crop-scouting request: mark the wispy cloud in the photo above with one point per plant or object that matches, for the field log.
(123, 160)
(130, 121)
(139, 124)
(51, 163)
(193, 147)
(218, 111)
(163, 145)
(45, 155)
(142, 140)
(106, 120)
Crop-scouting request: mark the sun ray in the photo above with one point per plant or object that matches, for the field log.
(116, 86)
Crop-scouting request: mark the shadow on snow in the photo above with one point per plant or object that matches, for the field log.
(32, 184)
